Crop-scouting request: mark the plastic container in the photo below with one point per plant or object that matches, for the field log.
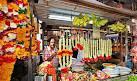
(77, 69)
(37, 78)
(49, 78)
(77, 64)
(109, 65)
(111, 71)
(123, 69)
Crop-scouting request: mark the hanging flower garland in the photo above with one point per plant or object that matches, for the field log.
(34, 39)
(23, 41)
(15, 30)
(47, 68)
(65, 53)
(96, 49)
(79, 44)
(6, 65)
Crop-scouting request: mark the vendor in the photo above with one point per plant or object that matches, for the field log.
(50, 53)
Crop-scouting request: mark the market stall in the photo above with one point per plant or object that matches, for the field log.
(93, 40)
(92, 44)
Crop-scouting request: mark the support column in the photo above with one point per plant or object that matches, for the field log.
(121, 47)
(126, 49)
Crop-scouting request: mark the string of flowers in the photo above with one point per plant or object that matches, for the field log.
(102, 50)
(34, 39)
(65, 53)
(14, 35)
(96, 49)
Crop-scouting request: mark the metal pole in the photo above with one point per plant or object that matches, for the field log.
(30, 77)
(121, 47)
(126, 49)
(126, 43)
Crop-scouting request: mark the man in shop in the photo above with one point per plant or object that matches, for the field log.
(50, 53)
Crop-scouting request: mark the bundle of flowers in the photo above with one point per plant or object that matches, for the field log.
(101, 75)
(47, 68)
(83, 76)
(66, 76)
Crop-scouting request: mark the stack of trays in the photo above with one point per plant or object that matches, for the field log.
(77, 66)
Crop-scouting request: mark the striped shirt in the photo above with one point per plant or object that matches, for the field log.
(47, 53)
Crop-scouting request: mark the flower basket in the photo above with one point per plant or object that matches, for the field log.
(6, 70)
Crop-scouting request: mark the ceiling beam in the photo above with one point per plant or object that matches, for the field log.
(103, 8)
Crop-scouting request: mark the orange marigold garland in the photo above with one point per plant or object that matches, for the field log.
(34, 39)
(15, 30)
(6, 67)
(23, 30)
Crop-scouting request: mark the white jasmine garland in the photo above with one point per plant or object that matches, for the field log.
(67, 50)
(70, 61)
(60, 44)
(97, 47)
(95, 56)
(110, 47)
(103, 47)
(84, 49)
(66, 43)
(87, 50)
(63, 43)
(106, 48)
(91, 48)
(60, 62)
(82, 43)
(63, 49)
(78, 39)
(73, 42)
(63, 61)
(76, 42)
(99, 53)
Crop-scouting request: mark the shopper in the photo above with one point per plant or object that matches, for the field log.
(50, 53)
